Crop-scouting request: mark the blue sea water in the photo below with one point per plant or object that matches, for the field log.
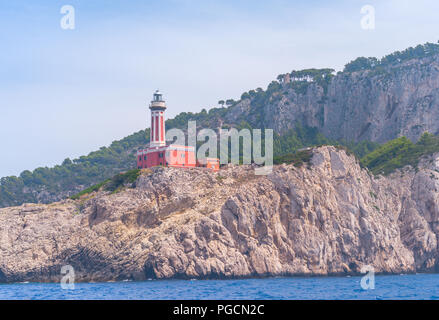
(420, 286)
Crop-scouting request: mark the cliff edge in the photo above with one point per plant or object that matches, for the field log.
(327, 217)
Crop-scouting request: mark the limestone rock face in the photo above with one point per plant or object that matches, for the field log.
(400, 100)
(327, 217)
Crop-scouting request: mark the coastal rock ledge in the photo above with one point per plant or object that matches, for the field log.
(327, 217)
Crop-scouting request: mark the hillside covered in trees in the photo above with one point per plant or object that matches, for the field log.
(399, 153)
(304, 107)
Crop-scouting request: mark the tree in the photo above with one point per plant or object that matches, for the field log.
(361, 63)
(221, 102)
(67, 162)
(245, 95)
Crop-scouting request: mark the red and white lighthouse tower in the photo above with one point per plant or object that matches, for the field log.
(158, 132)
(159, 153)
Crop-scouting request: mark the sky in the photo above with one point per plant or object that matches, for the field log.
(67, 92)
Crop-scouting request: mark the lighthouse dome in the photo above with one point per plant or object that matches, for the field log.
(157, 102)
(158, 96)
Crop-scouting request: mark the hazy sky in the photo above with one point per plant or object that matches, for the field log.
(64, 93)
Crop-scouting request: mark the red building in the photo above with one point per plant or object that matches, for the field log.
(159, 153)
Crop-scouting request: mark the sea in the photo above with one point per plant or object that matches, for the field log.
(400, 287)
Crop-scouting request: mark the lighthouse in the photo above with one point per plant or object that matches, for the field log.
(161, 154)
(157, 107)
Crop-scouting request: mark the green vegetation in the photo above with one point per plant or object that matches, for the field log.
(82, 172)
(361, 148)
(361, 64)
(400, 152)
(298, 138)
(114, 184)
(320, 76)
(122, 179)
(420, 51)
(300, 87)
(301, 79)
(297, 159)
(87, 172)
(287, 144)
(259, 99)
(89, 190)
(290, 149)
(380, 159)
(203, 118)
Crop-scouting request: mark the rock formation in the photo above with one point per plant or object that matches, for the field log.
(379, 104)
(375, 105)
(327, 217)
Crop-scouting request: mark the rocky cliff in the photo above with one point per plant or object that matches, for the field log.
(379, 101)
(327, 217)
(400, 99)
